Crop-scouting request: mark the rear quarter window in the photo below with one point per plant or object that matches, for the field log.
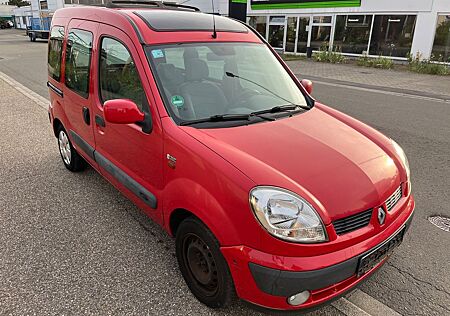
(78, 61)
(55, 45)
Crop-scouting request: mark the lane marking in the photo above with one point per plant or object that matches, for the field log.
(348, 308)
(369, 304)
(356, 304)
(398, 94)
(39, 100)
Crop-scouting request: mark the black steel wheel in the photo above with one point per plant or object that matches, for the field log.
(202, 265)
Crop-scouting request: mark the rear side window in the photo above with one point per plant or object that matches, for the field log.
(119, 78)
(55, 51)
(78, 61)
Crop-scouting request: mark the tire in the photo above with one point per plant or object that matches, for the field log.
(71, 159)
(202, 265)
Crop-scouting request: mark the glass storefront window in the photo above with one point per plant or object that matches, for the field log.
(320, 37)
(322, 19)
(303, 29)
(259, 23)
(291, 34)
(352, 33)
(277, 20)
(441, 46)
(392, 35)
(276, 34)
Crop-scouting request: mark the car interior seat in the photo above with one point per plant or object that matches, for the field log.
(203, 98)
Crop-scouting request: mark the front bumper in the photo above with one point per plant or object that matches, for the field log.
(267, 281)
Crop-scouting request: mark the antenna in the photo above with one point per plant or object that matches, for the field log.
(214, 34)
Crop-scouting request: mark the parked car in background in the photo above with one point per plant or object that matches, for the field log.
(271, 195)
(6, 24)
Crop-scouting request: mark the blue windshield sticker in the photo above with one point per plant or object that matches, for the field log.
(157, 53)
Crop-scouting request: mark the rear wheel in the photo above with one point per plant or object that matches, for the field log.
(71, 159)
(202, 265)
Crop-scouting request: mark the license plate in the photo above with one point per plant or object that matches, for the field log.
(370, 260)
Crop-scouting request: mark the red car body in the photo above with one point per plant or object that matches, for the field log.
(338, 164)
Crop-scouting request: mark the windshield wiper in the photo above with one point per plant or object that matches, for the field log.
(280, 108)
(227, 117)
(232, 75)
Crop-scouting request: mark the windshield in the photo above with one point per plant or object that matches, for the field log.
(201, 80)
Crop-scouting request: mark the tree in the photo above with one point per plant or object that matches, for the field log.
(19, 3)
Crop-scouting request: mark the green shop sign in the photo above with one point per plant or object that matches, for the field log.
(301, 4)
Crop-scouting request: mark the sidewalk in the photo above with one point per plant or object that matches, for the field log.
(381, 79)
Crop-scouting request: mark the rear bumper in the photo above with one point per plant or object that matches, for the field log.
(259, 282)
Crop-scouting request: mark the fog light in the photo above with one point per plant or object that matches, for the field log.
(298, 299)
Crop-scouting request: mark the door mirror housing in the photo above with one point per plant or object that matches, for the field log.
(122, 111)
(308, 85)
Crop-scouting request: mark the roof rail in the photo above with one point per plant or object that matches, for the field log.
(145, 3)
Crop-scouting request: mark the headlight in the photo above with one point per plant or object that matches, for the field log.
(286, 215)
(402, 156)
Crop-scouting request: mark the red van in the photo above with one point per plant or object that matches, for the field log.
(272, 196)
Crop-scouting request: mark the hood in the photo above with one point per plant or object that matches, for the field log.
(341, 168)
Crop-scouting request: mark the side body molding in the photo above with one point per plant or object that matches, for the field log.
(140, 191)
(82, 144)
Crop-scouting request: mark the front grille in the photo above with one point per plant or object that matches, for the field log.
(394, 198)
(351, 223)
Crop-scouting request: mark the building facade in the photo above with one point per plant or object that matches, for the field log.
(390, 28)
(6, 11)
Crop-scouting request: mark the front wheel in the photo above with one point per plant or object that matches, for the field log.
(71, 159)
(202, 264)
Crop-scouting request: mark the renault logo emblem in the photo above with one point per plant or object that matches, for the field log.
(381, 215)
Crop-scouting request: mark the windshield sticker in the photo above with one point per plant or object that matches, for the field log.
(157, 53)
(178, 101)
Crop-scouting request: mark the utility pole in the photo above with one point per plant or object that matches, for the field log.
(237, 9)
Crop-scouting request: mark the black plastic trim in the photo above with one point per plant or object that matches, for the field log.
(100, 121)
(55, 89)
(153, 4)
(287, 283)
(146, 196)
(82, 144)
(135, 27)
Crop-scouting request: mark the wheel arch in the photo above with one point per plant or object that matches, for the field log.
(56, 125)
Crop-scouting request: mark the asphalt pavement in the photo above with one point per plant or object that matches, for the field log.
(72, 244)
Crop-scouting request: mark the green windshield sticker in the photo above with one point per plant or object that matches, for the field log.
(178, 101)
(157, 53)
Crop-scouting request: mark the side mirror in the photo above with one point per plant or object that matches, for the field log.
(122, 111)
(308, 85)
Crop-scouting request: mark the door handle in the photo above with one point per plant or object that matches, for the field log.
(100, 121)
(86, 115)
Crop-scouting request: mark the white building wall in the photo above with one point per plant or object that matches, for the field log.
(21, 12)
(367, 6)
(426, 28)
(220, 6)
(6, 10)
